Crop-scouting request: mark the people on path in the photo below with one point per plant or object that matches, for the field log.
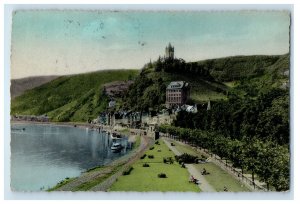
(194, 180)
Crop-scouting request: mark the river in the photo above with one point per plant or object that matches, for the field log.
(42, 155)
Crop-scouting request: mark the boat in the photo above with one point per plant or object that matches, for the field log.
(116, 147)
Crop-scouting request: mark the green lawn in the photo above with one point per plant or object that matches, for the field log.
(217, 178)
(186, 149)
(146, 179)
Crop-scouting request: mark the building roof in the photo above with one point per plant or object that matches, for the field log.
(177, 85)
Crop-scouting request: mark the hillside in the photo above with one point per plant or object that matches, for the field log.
(70, 98)
(19, 86)
(201, 89)
(81, 98)
(240, 67)
(209, 79)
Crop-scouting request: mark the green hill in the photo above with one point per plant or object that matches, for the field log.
(212, 79)
(201, 88)
(80, 97)
(239, 67)
(70, 98)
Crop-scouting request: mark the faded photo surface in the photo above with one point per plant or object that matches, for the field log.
(143, 101)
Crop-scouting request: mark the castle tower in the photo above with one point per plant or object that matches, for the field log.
(169, 52)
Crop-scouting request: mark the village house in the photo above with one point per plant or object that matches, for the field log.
(177, 93)
(111, 103)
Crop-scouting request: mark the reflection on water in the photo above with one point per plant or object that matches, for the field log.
(42, 155)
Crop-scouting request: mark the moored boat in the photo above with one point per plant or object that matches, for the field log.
(116, 147)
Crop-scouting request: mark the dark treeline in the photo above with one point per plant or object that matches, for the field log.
(265, 117)
(180, 66)
(144, 94)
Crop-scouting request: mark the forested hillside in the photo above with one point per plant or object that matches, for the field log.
(251, 126)
(70, 98)
(252, 75)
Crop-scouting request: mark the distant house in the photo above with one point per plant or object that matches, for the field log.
(111, 103)
(177, 93)
(116, 88)
(190, 109)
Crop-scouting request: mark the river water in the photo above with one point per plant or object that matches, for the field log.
(43, 155)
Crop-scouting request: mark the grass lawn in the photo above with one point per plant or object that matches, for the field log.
(218, 178)
(202, 96)
(146, 179)
(186, 149)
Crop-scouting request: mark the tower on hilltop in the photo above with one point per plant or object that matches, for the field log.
(169, 52)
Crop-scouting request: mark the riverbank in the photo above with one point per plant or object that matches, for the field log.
(102, 177)
(94, 127)
(96, 175)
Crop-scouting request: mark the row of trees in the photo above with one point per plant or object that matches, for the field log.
(265, 117)
(266, 159)
(179, 66)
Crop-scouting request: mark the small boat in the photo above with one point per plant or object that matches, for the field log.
(116, 147)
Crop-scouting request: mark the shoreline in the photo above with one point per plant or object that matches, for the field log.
(132, 137)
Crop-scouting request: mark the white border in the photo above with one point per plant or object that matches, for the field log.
(6, 9)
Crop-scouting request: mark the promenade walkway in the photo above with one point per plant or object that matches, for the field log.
(203, 184)
(235, 172)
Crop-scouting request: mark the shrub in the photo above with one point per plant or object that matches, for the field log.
(157, 143)
(186, 158)
(151, 156)
(203, 158)
(151, 148)
(128, 171)
(168, 160)
(143, 157)
(162, 175)
(146, 165)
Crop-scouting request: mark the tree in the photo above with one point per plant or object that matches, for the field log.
(158, 65)
(251, 155)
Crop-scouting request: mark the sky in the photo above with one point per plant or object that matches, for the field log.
(57, 42)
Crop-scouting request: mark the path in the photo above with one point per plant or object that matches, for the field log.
(236, 173)
(203, 185)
